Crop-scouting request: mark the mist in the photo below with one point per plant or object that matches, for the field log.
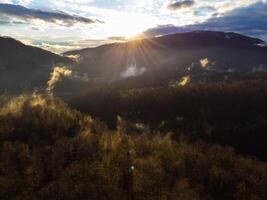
(132, 70)
(56, 75)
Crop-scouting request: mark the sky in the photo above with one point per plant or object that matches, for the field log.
(62, 25)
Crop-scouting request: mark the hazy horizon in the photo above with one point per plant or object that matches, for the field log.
(62, 25)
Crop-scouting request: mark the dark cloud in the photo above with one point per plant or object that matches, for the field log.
(251, 21)
(117, 38)
(2, 22)
(163, 30)
(9, 11)
(180, 4)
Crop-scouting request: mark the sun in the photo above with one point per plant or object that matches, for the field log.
(129, 25)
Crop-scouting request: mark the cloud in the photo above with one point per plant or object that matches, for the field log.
(75, 1)
(122, 18)
(16, 12)
(2, 22)
(117, 38)
(19, 2)
(180, 4)
(250, 20)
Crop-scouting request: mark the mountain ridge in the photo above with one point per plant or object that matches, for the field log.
(200, 33)
(174, 53)
(25, 67)
(145, 62)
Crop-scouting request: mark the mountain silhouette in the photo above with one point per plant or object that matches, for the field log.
(142, 62)
(24, 67)
(166, 54)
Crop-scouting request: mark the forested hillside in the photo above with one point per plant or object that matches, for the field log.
(49, 151)
(229, 113)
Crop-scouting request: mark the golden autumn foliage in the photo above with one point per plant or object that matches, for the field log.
(49, 151)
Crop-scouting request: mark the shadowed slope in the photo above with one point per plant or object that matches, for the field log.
(25, 67)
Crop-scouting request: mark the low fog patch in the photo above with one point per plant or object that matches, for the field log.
(56, 76)
(62, 71)
(132, 70)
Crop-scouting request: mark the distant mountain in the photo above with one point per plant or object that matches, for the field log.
(172, 54)
(139, 63)
(24, 67)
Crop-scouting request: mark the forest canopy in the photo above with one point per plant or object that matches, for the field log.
(50, 151)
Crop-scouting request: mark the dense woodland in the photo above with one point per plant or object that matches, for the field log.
(192, 142)
(229, 113)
